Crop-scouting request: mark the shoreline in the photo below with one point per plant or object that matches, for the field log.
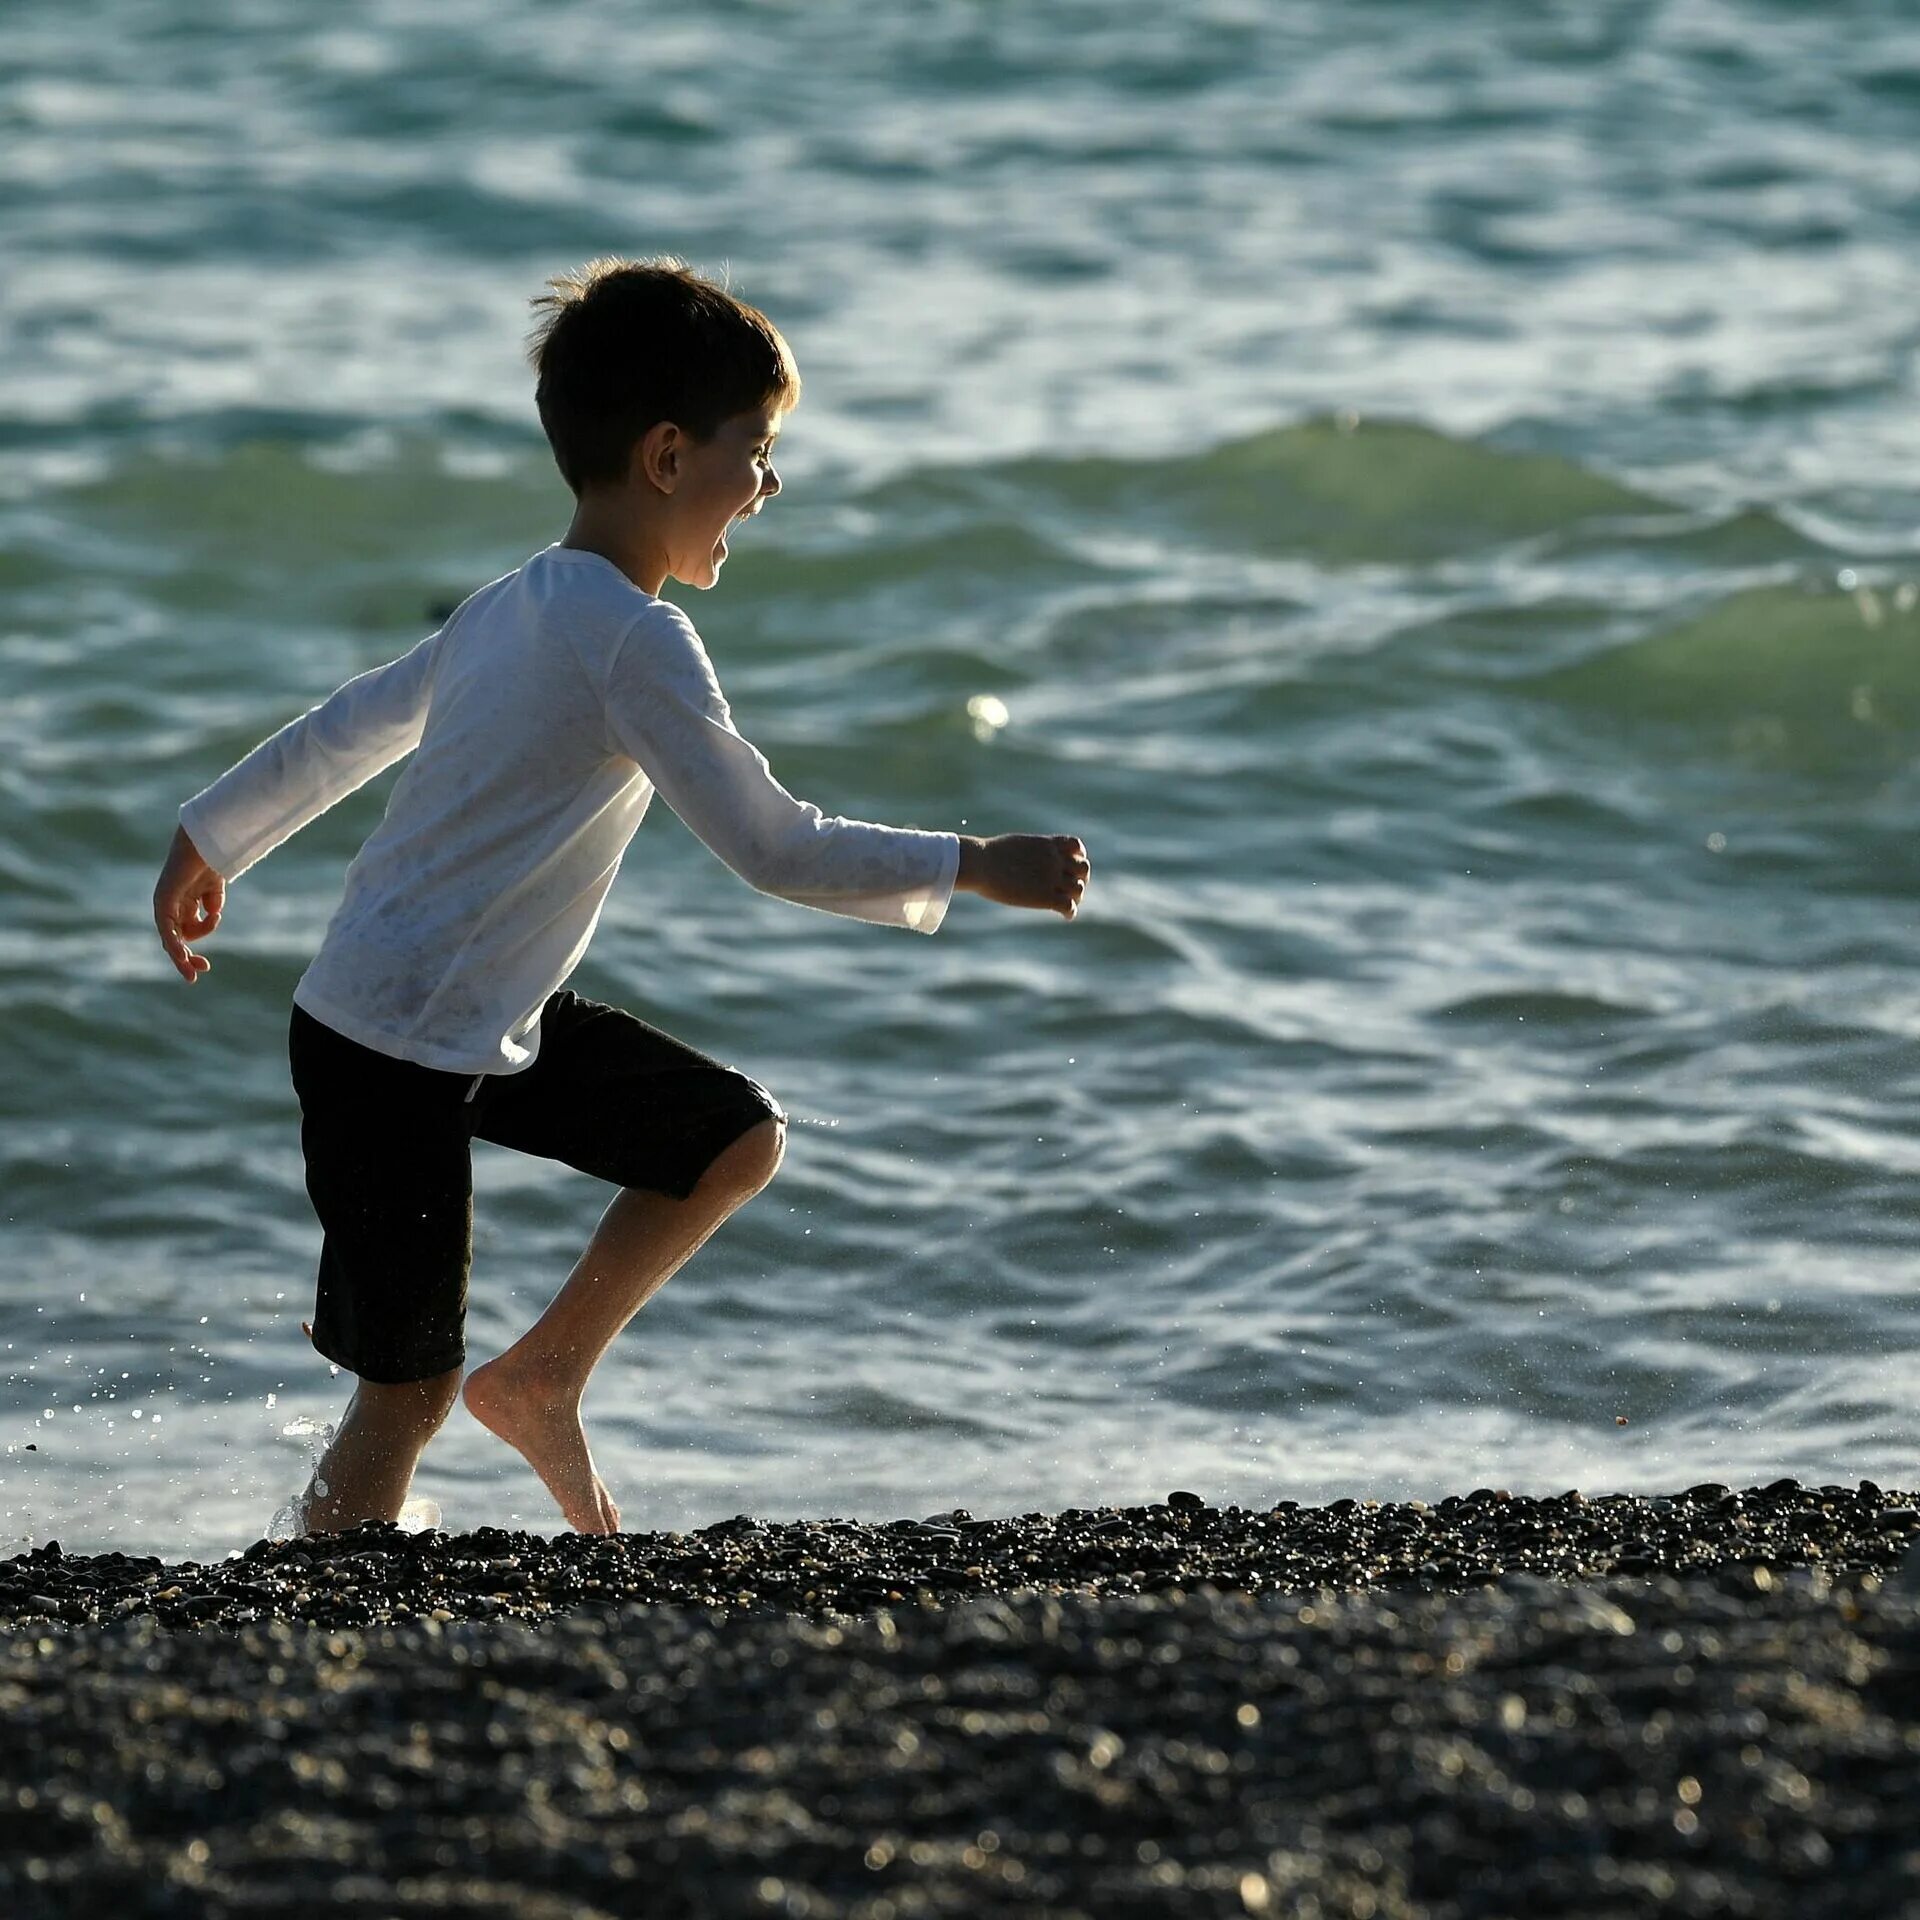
(1162, 1709)
(379, 1574)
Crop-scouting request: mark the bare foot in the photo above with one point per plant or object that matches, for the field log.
(541, 1424)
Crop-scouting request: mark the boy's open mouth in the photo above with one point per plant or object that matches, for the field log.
(745, 513)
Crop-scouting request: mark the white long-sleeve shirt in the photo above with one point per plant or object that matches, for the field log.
(541, 718)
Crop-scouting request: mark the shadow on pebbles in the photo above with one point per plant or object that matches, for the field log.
(1701, 1704)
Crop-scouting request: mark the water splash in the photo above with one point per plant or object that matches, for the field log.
(417, 1514)
(290, 1520)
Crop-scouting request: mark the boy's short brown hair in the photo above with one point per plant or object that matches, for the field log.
(622, 344)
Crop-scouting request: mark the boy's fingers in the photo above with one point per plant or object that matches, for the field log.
(187, 963)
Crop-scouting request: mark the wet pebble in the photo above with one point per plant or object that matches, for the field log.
(1662, 1748)
(1454, 1709)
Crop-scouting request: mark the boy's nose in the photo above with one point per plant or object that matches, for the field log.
(770, 483)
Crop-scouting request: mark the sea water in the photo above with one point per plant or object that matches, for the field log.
(1427, 494)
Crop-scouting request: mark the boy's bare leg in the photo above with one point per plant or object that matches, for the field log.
(530, 1396)
(368, 1465)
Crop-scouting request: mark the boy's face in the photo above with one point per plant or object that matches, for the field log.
(721, 480)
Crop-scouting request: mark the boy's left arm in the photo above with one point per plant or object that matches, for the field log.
(187, 903)
(287, 780)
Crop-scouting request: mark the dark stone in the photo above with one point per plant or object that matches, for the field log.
(845, 1566)
(1070, 1754)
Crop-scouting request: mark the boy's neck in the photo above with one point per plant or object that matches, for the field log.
(607, 524)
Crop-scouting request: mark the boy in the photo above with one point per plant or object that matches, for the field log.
(541, 719)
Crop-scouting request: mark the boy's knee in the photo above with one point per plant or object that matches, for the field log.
(755, 1157)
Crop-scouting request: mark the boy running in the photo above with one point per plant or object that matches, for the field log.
(541, 719)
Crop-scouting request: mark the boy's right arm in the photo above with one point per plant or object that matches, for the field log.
(666, 710)
(1043, 870)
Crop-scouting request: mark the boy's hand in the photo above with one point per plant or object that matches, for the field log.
(1045, 870)
(187, 901)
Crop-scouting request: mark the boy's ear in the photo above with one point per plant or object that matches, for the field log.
(659, 454)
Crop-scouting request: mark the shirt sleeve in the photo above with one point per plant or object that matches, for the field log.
(666, 711)
(311, 763)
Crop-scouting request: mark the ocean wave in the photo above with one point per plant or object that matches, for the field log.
(242, 498)
(1337, 490)
(1803, 678)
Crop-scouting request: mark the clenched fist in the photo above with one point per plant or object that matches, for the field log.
(1044, 870)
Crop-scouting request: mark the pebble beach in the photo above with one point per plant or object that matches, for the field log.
(1699, 1703)
(1429, 496)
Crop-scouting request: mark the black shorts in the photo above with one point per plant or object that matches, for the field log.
(390, 1167)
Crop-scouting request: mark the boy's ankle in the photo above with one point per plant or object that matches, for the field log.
(529, 1374)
